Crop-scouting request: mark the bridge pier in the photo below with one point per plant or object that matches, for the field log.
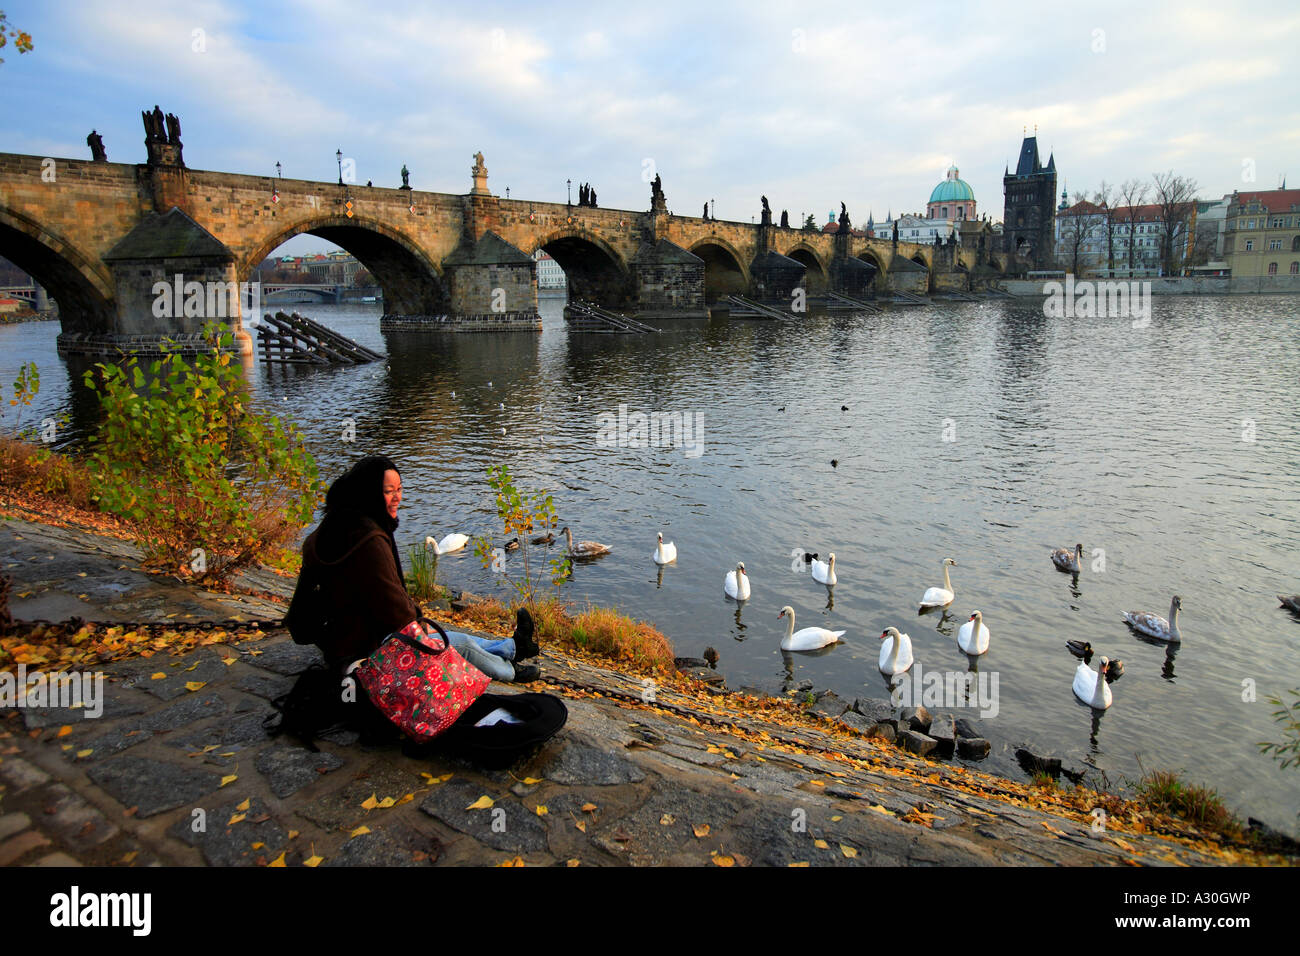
(171, 277)
(669, 282)
(491, 287)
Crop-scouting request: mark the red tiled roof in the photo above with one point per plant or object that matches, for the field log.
(1083, 208)
(1273, 200)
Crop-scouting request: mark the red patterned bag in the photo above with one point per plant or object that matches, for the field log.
(420, 683)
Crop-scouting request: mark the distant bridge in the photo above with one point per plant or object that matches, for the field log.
(323, 292)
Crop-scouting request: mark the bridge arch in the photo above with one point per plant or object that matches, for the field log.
(725, 271)
(412, 283)
(815, 276)
(595, 270)
(82, 287)
(871, 258)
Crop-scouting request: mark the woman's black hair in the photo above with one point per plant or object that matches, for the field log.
(361, 488)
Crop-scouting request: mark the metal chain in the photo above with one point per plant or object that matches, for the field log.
(229, 624)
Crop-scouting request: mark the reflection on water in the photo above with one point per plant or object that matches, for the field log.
(980, 431)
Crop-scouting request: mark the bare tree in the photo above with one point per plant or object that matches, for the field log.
(1132, 194)
(1079, 224)
(1105, 198)
(1175, 198)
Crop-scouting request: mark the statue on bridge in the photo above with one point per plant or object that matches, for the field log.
(173, 129)
(785, 219)
(657, 201)
(406, 177)
(845, 226)
(767, 212)
(706, 210)
(153, 126)
(895, 230)
(591, 196)
(96, 144)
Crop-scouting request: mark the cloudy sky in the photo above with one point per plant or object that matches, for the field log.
(809, 103)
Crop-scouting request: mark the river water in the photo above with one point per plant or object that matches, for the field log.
(977, 431)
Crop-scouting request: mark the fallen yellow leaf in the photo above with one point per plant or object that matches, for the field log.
(517, 861)
(589, 807)
(279, 860)
(387, 802)
(701, 830)
(248, 801)
(581, 825)
(195, 684)
(369, 803)
(667, 820)
(802, 863)
(360, 831)
(848, 851)
(836, 819)
(231, 778)
(821, 844)
(529, 781)
(542, 811)
(81, 754)
(405, 799)
(573, 862)
(313, 860)
(482, 803)
(64, 731)
(159, 676)
(235, 819)
(257, 846)
(130, 856)
(723, 861)
(292, 834)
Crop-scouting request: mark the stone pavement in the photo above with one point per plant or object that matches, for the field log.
(178, 770)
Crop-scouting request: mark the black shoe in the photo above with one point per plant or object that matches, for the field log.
(525, 646)
(527, 673)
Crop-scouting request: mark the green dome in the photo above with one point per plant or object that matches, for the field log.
(952, 189)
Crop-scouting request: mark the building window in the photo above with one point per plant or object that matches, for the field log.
(1250, 245)
(1295, 244)
(1272, 268)
(1295, 268)
(1274, 244)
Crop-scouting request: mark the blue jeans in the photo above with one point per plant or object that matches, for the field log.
(494, 658)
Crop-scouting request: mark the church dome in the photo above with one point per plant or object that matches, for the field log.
(952, 189)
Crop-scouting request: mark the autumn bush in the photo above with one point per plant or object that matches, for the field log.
(35, 469)
(595, 631)
(1165, 791)
(209, 483)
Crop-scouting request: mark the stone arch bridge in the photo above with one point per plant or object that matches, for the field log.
(104, 239)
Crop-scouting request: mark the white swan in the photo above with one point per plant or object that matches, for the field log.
(823, 572)
(1068, 561)
(1089, 686)
(665, 553)
(1155, 626)
(973, 637)
(584, 549)
(453, 542)
(736, 583)
(895, 651)
(807, 639)
(940, 597)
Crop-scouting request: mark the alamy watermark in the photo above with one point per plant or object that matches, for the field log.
(1104, 300)
(60, 689)
(211, 299)
(947, 690)
(684, 430)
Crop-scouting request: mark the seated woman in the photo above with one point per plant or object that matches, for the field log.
(350, 565)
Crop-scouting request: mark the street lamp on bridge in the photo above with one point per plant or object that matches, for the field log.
(338, 154)
(568, 189)
(279, 173)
